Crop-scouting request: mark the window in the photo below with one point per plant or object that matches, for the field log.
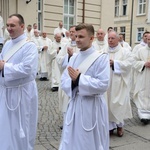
(124, 7)
(116, 8)
(140, 32)
(115, 29)
(69, 13)
(141, 6)
(123, 31)
(39, 15)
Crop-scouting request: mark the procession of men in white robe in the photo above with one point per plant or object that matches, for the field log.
(54, 58)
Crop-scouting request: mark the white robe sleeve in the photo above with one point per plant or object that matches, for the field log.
(98, 80)
(94, 82)
(23, 69)
(139, 63)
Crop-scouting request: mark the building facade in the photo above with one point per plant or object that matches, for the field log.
(48, 13)
(130, 17)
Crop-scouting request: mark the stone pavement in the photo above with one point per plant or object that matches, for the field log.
(136, 135)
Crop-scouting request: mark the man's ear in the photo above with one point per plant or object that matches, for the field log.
(22, 26)
(92, 38)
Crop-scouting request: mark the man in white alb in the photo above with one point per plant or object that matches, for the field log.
(141, 95)
(60, 29)
(100, 43)
(85, 80)
(118, 94)
(54, 51)
(18, 90)
(45, 60)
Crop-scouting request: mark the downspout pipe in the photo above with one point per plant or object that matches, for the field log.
(83, 12)
(131, 23)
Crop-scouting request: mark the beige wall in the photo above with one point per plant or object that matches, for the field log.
(139, 21)
(100, 13)
(28, 11)
(107, 14)
(52, 15)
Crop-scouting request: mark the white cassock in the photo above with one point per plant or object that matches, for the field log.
(28, 34)
(134, 72)
(59, 30)
(36, 40)
(141, 93)
(65, 40)
(126, 45)
(6, 35)
(118, 94)
(138, 46)
(19, 97)
(63, 60)
(100, 45)
(45, 60)
(86, 121)
(55, 69)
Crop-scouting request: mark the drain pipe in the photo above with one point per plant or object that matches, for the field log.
(131, 24)
(83, 12)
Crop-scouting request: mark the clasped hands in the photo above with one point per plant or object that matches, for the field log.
(2, 62)
(111, 62)
(73, 73)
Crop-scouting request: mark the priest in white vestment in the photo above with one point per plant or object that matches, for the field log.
(36, 39)
(141, 93)
(118, 97)
(54, 51)
(60, 29)
(106, 35)
(6, 35)
(85, 80)
(45, 60)
(18, 90)
(28, 32)
(99, 44)
(67, 38)
(68, 50)
(142, 44)
(123, 43)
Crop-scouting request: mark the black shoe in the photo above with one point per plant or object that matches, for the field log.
(41, 79)
(54, 89)
(45, 79)
(145, 121)
(61, 127)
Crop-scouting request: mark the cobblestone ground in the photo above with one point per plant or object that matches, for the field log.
(50, 119)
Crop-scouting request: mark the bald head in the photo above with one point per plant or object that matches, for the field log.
(57, 37)
(113, 39)
(100, 34)
(36, 32)
(44, 34)
(60, 24)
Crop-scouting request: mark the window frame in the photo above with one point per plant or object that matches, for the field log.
(116, 8)
(69, 16)
(124, 7)
(141, 7)
(39, 17)
(139, 32)
(123, 31)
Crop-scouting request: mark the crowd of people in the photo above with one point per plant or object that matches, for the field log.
(96, 78)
